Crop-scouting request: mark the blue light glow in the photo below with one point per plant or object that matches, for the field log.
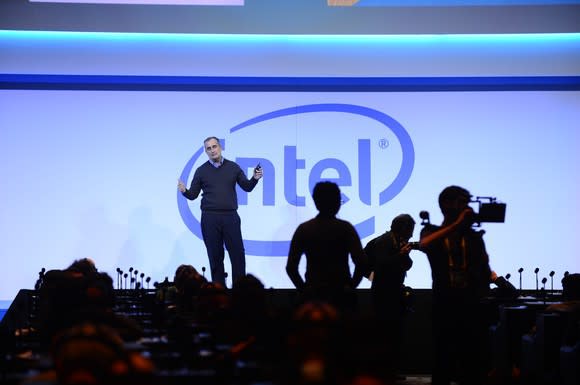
(250, 38)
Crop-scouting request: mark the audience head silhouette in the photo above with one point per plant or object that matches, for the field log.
(90, 353)
(571, 287)
(248, 293)
(84, 266)
(187, 280)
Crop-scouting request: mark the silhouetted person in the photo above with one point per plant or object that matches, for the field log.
(70, 297)
(256, 331)
(249, 306)
(569, 308)
(84, 266)
(187, 285)
(90, 353)
(214, 304)
(388, 255)
(461, 275)
(327, 243)
(220, 222)
(315, 345)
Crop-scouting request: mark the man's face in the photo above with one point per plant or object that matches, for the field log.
(407, 232)
(213, 150)
(454, 207)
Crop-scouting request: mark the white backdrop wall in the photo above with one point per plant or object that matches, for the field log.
(93, 173)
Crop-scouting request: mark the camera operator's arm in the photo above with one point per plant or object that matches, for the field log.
(465, 219)
(405, 261)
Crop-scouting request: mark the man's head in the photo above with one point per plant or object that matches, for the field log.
(571, 287)
(453, 200)
(326, 197)
(403, 226)
(213, 148)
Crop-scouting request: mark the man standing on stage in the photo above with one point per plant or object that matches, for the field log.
(327, 242)
(220, 222)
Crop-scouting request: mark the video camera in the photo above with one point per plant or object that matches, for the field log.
(489, 210)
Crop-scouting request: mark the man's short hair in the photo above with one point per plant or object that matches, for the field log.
(451, 193)
(326, 197)
(401, 222)
(210, 138)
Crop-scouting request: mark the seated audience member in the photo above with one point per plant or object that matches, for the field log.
(187, 285)
(249, 306)
(569, 308)
(95, 354)
(213, 304)
(570, 294)
(79, 294)
(254, 330)
(314, 345)
(84, 266)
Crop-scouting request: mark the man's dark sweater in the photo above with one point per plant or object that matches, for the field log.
(219, 186)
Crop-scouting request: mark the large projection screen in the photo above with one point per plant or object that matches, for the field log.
(94, 173)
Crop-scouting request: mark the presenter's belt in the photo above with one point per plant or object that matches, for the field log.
(218, 212)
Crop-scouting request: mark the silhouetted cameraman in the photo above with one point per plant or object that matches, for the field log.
(461, 275)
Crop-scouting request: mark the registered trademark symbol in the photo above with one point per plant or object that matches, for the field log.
(383, 143)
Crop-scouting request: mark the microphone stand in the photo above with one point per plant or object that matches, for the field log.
(119, 275)
(544, 289)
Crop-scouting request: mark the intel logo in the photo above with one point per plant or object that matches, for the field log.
(365, 151)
